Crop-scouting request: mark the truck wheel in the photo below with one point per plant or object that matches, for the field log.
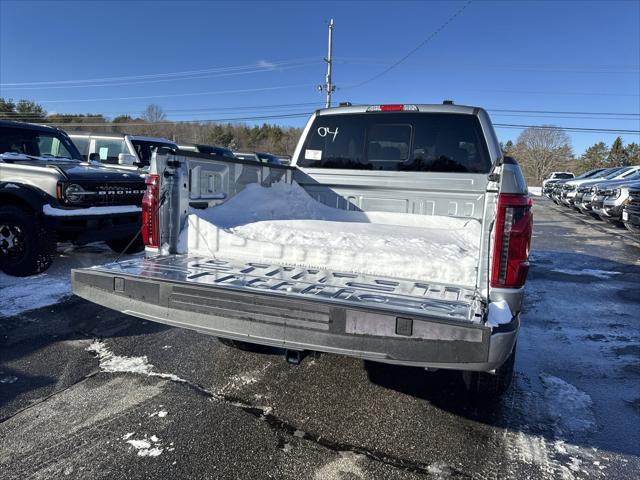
(26, 246)
(484, 385)
(120, 244)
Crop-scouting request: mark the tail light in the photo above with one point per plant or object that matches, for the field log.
(514, 223)
(150, 204)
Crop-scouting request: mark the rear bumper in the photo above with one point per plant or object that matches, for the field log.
(299, 324)
(92, 228)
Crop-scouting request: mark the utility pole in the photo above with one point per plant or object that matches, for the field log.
(328, 87)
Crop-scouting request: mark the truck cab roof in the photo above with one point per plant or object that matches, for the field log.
(399, 107)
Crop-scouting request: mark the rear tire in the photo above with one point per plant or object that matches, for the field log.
(487, 386)
(26, 246)
(118, 245)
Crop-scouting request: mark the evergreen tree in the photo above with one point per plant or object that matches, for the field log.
(617, 154)
(29, 111)
(508, 147)
(7, 107)
(633, 153)
(594, 157)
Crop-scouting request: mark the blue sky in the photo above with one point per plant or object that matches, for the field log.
(569, 56)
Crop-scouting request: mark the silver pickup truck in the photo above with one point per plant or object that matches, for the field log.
(405, 164)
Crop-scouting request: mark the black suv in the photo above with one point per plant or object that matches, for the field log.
(48, 193)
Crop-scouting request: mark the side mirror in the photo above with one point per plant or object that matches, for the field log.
(126, 159)
(94, 157)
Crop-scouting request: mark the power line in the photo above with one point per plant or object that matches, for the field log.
(306, 114)
(173, 95)
(262, 64)
(571, 117)
(415, 49)
(170, 122)
(625, 116)
(568, 129)
(181, 111)
(560, 112)
(278, 68)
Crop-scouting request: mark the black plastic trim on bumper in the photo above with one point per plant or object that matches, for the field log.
(92, 228)
(287, 323)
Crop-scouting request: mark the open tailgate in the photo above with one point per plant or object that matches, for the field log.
(376, 318)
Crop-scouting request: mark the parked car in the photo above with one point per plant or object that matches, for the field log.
(553, 188)
(558, 176)
(631, 213)
(131, 152)
(588, 191)
(388, 158)
(259, 157)
(610, 197)
(569, 188)
(48, 194)
(208, 149)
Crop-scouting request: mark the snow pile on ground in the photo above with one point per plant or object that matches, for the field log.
(571, 409)
(20, 294)
(284, 225)
(535, 191)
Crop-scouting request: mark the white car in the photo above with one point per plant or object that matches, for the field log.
(570, 188)
(558, 176)
(118, 150)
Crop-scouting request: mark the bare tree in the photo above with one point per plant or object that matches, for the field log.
(540, 151)
(153, 113)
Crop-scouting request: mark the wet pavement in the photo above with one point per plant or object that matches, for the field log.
(88, 392)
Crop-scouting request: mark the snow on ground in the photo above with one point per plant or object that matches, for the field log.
(18, 294)
(587, 271)
(110, 362)
(570, 409)
(145, 448)
(535, 191)
(284, 225)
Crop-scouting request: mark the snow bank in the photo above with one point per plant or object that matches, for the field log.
(535, 191)
(284, 225)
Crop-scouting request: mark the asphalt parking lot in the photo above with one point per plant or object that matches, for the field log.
(86, 392)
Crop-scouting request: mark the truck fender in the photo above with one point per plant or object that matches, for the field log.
(12, 193)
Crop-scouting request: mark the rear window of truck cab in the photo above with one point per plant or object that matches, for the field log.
(407, 141)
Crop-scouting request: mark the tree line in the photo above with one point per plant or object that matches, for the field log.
(539, 151)
(152, 122)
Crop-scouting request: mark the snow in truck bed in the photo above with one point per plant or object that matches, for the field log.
(284, 225)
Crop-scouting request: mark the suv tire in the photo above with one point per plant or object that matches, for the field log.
(118, 245)
(26, 246)
(487, 386)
